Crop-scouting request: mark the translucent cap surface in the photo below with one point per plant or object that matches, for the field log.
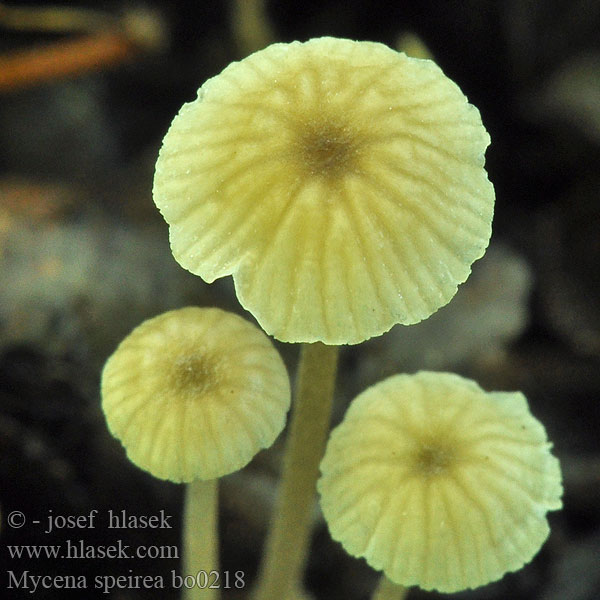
(195, 393)
(438, 483)
(341, 183)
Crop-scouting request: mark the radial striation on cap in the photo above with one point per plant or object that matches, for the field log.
(341, 183)
(438, 483)
(195, 393)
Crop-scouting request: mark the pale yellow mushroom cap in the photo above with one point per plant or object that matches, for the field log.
(195, 393)
(438, 483)
(341, 183)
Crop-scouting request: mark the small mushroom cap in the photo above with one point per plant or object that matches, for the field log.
(438, 483)
(341, 183)
(195, 393)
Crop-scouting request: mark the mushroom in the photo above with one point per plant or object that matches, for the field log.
(342, 185)
(438, 483)
(193, 394)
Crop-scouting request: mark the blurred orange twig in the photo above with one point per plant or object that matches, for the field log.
(70, 57)
(105, 41)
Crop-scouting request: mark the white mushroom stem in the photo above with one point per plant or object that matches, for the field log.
(386, 590)
(289, 537)
(200, 548)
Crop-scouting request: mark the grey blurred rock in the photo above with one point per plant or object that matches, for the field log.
(83, 286)
(488, 311)
(571, 95)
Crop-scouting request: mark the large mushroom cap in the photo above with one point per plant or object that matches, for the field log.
(438, 483)
(195, 393)
(341, 183)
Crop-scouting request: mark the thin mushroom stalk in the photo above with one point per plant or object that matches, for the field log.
(200, 539)
(289, 537)
(387, 590)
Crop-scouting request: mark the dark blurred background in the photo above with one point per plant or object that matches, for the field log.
(85, 258)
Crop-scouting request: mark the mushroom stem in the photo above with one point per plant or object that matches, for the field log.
(386, 590)
(200, 549)
(289, 536)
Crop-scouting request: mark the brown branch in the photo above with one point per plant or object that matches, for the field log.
(64, 59)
